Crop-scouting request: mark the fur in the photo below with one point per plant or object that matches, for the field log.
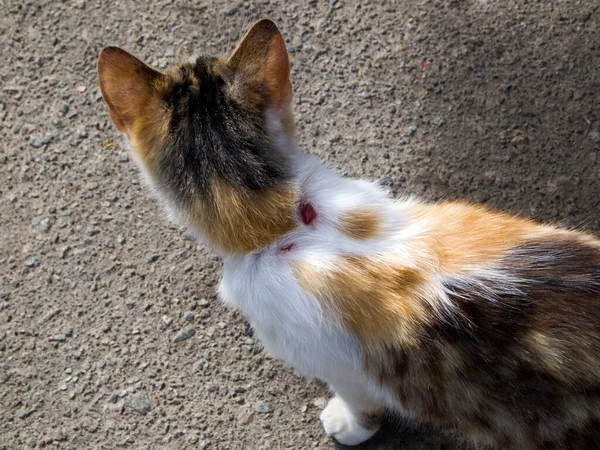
(466, 318)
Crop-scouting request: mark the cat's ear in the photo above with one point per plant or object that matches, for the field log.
(129, 87)
(261, 57)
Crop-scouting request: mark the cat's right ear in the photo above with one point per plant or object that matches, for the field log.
(129, 87)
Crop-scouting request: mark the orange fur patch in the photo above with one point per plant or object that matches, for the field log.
(360, 224)
(242, 222)
(460, 237)
(376, 300)
(148, 133)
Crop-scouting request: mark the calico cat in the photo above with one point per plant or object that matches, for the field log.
(449, 313)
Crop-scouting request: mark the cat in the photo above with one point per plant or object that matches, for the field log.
(449, 313)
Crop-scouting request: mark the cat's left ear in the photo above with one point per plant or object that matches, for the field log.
(261, 57)
(130, 88)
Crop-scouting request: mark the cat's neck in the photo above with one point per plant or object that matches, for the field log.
(354, 210)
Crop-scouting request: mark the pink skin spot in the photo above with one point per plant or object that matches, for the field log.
(307, 213)
(308, 216)
(287, 248)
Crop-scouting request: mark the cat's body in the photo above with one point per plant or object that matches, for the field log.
(449, 313)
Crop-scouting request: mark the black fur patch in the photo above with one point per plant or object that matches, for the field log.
(481, 369)
(551, 287)
(212, 136)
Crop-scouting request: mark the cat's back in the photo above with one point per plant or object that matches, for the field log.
(516, 356)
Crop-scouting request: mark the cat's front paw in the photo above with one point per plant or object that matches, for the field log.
(339, 423)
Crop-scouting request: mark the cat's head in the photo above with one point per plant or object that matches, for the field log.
(210, 135)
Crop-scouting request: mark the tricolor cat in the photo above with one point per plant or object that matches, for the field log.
(448, 313)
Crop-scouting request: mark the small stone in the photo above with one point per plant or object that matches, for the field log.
(152, 258)
(170, 51)
(160, 385)
(320, 402)
(114, 398)
(139, 402)
(40, 141)
(291, 49)
(91, 231)
(247, 418)
(121, 240)
(263, 408)
(64, 251)
(239, 390)
(188, 316)
(221, 325)
(232, 10)
(249, 341)
(437, 121)
(324, 24)
(184, 335)
(203, 303)
(595, 136)
(63, 109)
(17, 126)
(32, 262)
(204, 444)
(365, 95)
(59, 338)
(45, 224)
(63, 387)
(25, 413)
(585, 17)
(335, 138)
(410, 131)
(82, 134)
(314, 130)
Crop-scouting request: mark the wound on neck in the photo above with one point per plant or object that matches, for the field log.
(307, 213)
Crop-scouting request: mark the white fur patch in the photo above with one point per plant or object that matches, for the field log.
(339, 423)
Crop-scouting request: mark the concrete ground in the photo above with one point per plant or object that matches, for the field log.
(496, 102)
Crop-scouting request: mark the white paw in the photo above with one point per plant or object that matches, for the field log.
(340, 424)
